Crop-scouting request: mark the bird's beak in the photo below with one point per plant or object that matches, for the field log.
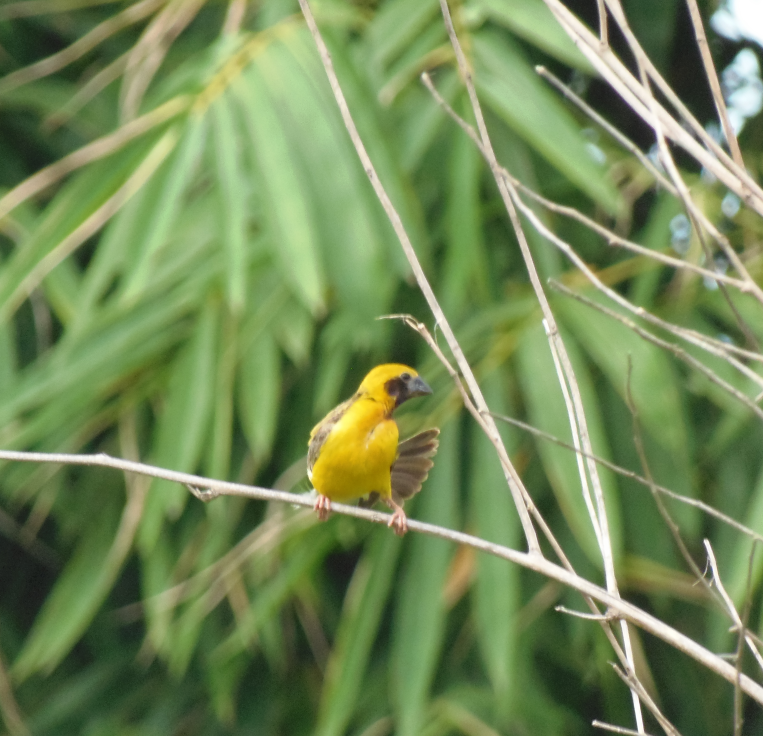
(418, 387)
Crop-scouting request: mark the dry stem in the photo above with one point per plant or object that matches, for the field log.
(616, 605)
(512, 477)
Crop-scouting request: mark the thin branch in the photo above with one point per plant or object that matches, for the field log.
(636, 686)
(696, 503)
(711, 345)
(414, 324)
(715, 85)
(615, 132)
(691, 336)
(675, 531)
(741, 640)
(730, 607)
(741, 631)
(694, 212)
(679, 352)
(548, 315)
(603, 24)
(531, 561)
(616, 729)
(585, 616)
(539, 520)
(512, 477)
(647, 69)
(625, 84)
(579, 457)
(611, 237)
(751, 192)
(508, 195)
(744, 285)
(732, 611)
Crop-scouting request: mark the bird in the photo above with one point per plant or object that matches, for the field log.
(354, 451)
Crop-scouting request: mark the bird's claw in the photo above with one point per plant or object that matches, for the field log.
(399, 522)
(322, 507)
(203, 494)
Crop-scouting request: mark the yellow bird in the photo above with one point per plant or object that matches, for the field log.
(354, 452)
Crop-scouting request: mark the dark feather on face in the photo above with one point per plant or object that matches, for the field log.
(406, 386)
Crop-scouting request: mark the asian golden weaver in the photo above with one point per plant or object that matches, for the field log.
(354, 450)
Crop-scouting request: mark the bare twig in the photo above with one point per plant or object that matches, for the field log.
(539, 520)
(699, 215)
(508, 195)
(571, 418)
(616, 729)
(537, 563)
(478, 416)
(660, 121)
(707, 153)
(512, 477)
(585, 616)
(715, 85)
(611, 237)
(730, 607)
(694, 212)
(732, 611)
(629, 679)
(674, 529)
(696, 503)
(695, 338)
(603, 25)
(676, 350)
(715, 347)
(751, 191)
(741, 639)
(617, 134)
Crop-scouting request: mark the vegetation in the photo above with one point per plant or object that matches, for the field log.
(192, 268)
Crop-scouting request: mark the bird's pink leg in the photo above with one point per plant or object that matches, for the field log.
(322, 507)
(399, 521)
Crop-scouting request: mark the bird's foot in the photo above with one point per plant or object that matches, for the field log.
(322, 507)
(399, 521)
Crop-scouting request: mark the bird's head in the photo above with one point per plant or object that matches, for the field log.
(394, 382)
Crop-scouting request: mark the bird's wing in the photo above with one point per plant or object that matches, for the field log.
(413, 463)
(321, 431)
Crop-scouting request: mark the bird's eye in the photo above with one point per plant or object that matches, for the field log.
(405, 376)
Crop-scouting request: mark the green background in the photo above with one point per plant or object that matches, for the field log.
(231, 298)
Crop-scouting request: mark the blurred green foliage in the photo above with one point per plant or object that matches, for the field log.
(201, 295)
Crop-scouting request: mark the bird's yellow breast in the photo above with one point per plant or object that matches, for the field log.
(358, 454)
